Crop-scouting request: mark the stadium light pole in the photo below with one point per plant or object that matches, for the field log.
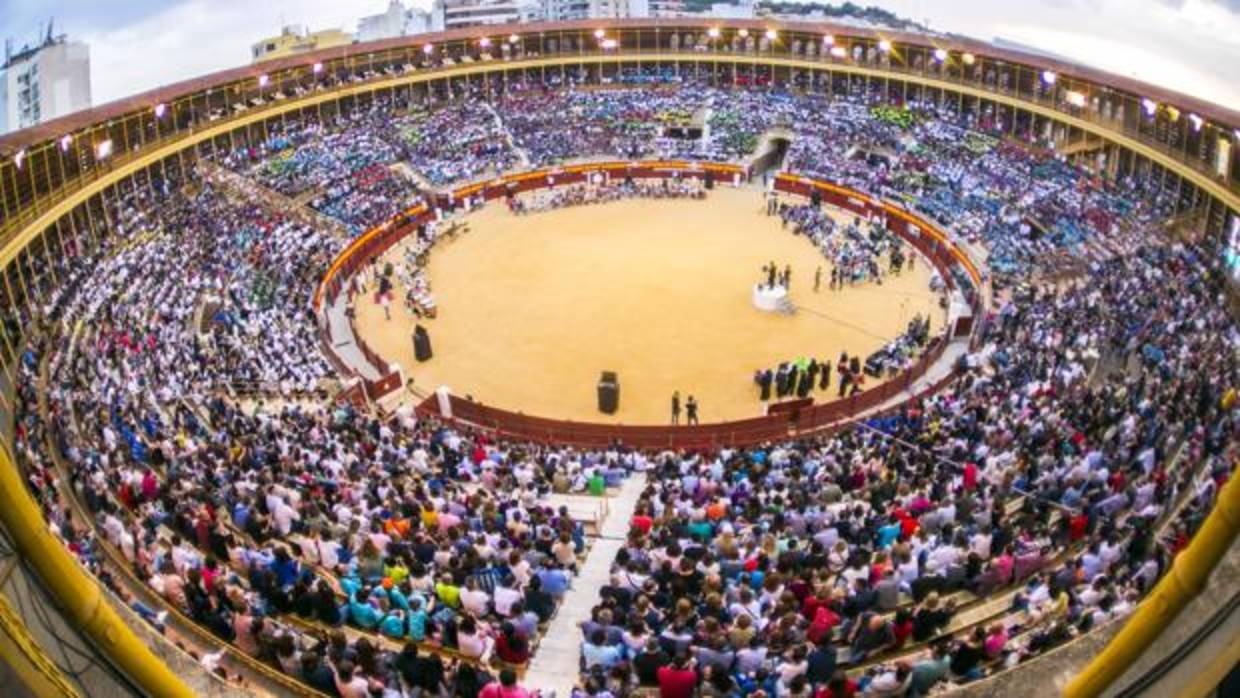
(160, 110)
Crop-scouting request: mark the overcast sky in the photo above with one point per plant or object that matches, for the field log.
(1189, 45)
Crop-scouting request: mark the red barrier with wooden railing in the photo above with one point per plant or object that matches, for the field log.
(737, 433)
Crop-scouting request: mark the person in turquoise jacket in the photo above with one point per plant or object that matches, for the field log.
(417, 619)
(361, 611)
(393, 624)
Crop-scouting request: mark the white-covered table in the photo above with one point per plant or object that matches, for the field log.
(768, 298)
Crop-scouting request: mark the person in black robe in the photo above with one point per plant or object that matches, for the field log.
(764, 382)
(824, 378)
(804, 383)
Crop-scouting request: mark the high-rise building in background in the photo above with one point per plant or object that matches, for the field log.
(455, 14)
(396, 21)
(560, 10)
(44, 81)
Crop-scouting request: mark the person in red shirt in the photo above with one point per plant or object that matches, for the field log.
(642, 522)
(1077, 526)
(824, 622)
(840, 686)
(512, 646)
(678, 680)
(901, 628)
(970, 476)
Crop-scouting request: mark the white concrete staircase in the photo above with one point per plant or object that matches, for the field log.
(556, 664)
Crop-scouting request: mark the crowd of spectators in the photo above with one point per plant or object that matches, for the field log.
(840, 565)
(602, 192)
(398, 556)
(344, 168)
(1024, 203)
(455, 142)
(275, 526)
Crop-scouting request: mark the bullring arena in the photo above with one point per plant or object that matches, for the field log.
(531, 307)
(352, 373)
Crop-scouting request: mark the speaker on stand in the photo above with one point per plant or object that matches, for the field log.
(421, 344)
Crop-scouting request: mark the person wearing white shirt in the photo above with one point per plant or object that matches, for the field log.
(505, 597)
(284, 516)
(474, 600)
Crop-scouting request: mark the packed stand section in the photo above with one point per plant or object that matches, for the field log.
(965, 534)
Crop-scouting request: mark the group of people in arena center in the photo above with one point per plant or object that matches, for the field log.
(1037, 497)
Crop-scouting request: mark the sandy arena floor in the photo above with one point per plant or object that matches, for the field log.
(532, 308)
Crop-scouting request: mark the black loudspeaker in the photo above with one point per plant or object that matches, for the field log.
(710, 180)
(608, 393)
(421, 344)
(816, 198)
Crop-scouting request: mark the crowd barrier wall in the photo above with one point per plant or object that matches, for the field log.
(917, 231)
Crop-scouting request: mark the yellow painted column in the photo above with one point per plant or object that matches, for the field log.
(80, 599)
(1187, 577)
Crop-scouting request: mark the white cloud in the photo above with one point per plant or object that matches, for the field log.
(196, 37)
(1191, 46)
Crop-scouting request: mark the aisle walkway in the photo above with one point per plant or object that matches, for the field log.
(555, 664)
